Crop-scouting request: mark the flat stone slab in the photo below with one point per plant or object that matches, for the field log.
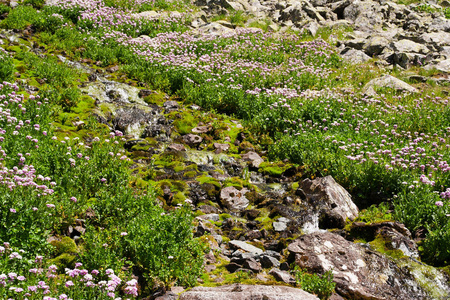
(245, 246)
(244, 292)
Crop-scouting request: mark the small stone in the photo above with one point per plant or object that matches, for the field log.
(176, 147)
(234, 199)
(192, 139)
(170, 105)
(221, 147)
(201, 129)
(211, 217)
(253, 158)
(282, 276)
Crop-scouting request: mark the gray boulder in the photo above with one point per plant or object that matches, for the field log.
(355, 56)
(359, 273)
(389, 82)
(241, 292)
(442, 66)
(333, 201)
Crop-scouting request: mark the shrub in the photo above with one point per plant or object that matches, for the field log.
(6, 66)
(163, 244)
(20, 18)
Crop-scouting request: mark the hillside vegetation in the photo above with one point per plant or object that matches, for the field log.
(293, 92)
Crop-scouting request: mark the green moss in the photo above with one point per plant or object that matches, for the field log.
(141, 146)
(185, 122)
(155, 98)
(178, 198)
(381, 245)
(190, 174)
(86, 104)
(375, 214)
(273, 169)
(224, 216)
(211, 189)
(64, 245)
(234, 181)
(174, 185)
(140, 183)
(63, 261)
(266, 221)
(295, 186)
(208, 179)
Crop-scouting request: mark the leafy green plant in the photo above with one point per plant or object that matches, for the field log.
(4, 8)
(19, 18)
(163, 244)
(321, 285)
(6, 66)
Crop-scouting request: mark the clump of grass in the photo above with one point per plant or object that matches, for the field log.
(322, 286)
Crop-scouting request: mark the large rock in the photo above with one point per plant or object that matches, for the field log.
(234, 199)
(355, 56)
(366, 15)
(375, 45)
(243, 292)
(442, 66)
(333, 201)
(131, 121)
(409, 46)
(389, 81)
(435, 39)
(359, 273)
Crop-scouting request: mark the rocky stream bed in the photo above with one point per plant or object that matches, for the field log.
(261, 218)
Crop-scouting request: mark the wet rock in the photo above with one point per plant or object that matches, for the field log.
(389, 82)
(170, 106)
(359, 273)
(208, 209)
(334, 202)
(129, 120)
(196, 193)
(253, 234)
(235, 244)
(240, 292)
(234, 199)
(248, 263)
(252, 158)
(154, 130)
(192, 139)
(282, 276)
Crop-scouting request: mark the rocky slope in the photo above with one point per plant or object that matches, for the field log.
(262, 219)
